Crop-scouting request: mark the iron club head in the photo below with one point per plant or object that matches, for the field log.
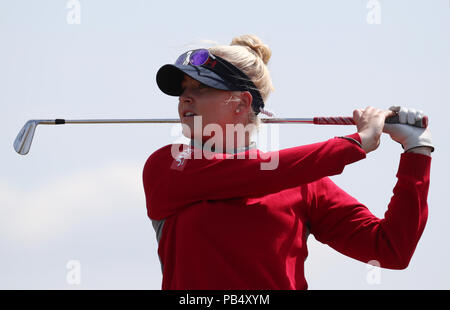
(22, 143)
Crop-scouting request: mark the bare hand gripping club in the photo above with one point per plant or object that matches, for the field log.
(22, 143)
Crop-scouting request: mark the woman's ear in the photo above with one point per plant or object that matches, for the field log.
(245, 102)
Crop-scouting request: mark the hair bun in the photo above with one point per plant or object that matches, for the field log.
(254, 44)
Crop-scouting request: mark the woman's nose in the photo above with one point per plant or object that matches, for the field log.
(185, 98)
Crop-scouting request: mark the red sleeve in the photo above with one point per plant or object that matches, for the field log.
(340, 221)
(170, 183)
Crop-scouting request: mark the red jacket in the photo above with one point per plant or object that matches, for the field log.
(226, 224)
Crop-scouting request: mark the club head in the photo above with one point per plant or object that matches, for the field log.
(22, 143)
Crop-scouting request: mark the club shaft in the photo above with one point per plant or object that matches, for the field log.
(334, 120)
(161, 121)
(123, 121)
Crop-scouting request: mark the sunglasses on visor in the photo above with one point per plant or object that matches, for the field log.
(226, 70)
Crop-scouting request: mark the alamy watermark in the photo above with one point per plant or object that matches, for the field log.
(234, 136)
(73, 16)
(73, 275)
(374, 15)
(373, 276)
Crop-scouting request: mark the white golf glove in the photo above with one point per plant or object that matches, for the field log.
(408, 136)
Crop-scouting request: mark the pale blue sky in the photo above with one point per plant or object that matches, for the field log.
(78, 193)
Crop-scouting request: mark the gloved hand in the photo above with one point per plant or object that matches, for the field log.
(408, 136)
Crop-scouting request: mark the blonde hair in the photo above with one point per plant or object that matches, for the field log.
(249, 54)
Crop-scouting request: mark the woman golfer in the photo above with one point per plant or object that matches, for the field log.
(227, 222)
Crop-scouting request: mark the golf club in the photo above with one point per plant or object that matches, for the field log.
(22, 143)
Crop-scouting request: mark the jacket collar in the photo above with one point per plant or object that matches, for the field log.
(252, 145)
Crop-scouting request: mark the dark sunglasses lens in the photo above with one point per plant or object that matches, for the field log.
(199, 57)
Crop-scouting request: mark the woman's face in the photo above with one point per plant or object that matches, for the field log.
(213, 105)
